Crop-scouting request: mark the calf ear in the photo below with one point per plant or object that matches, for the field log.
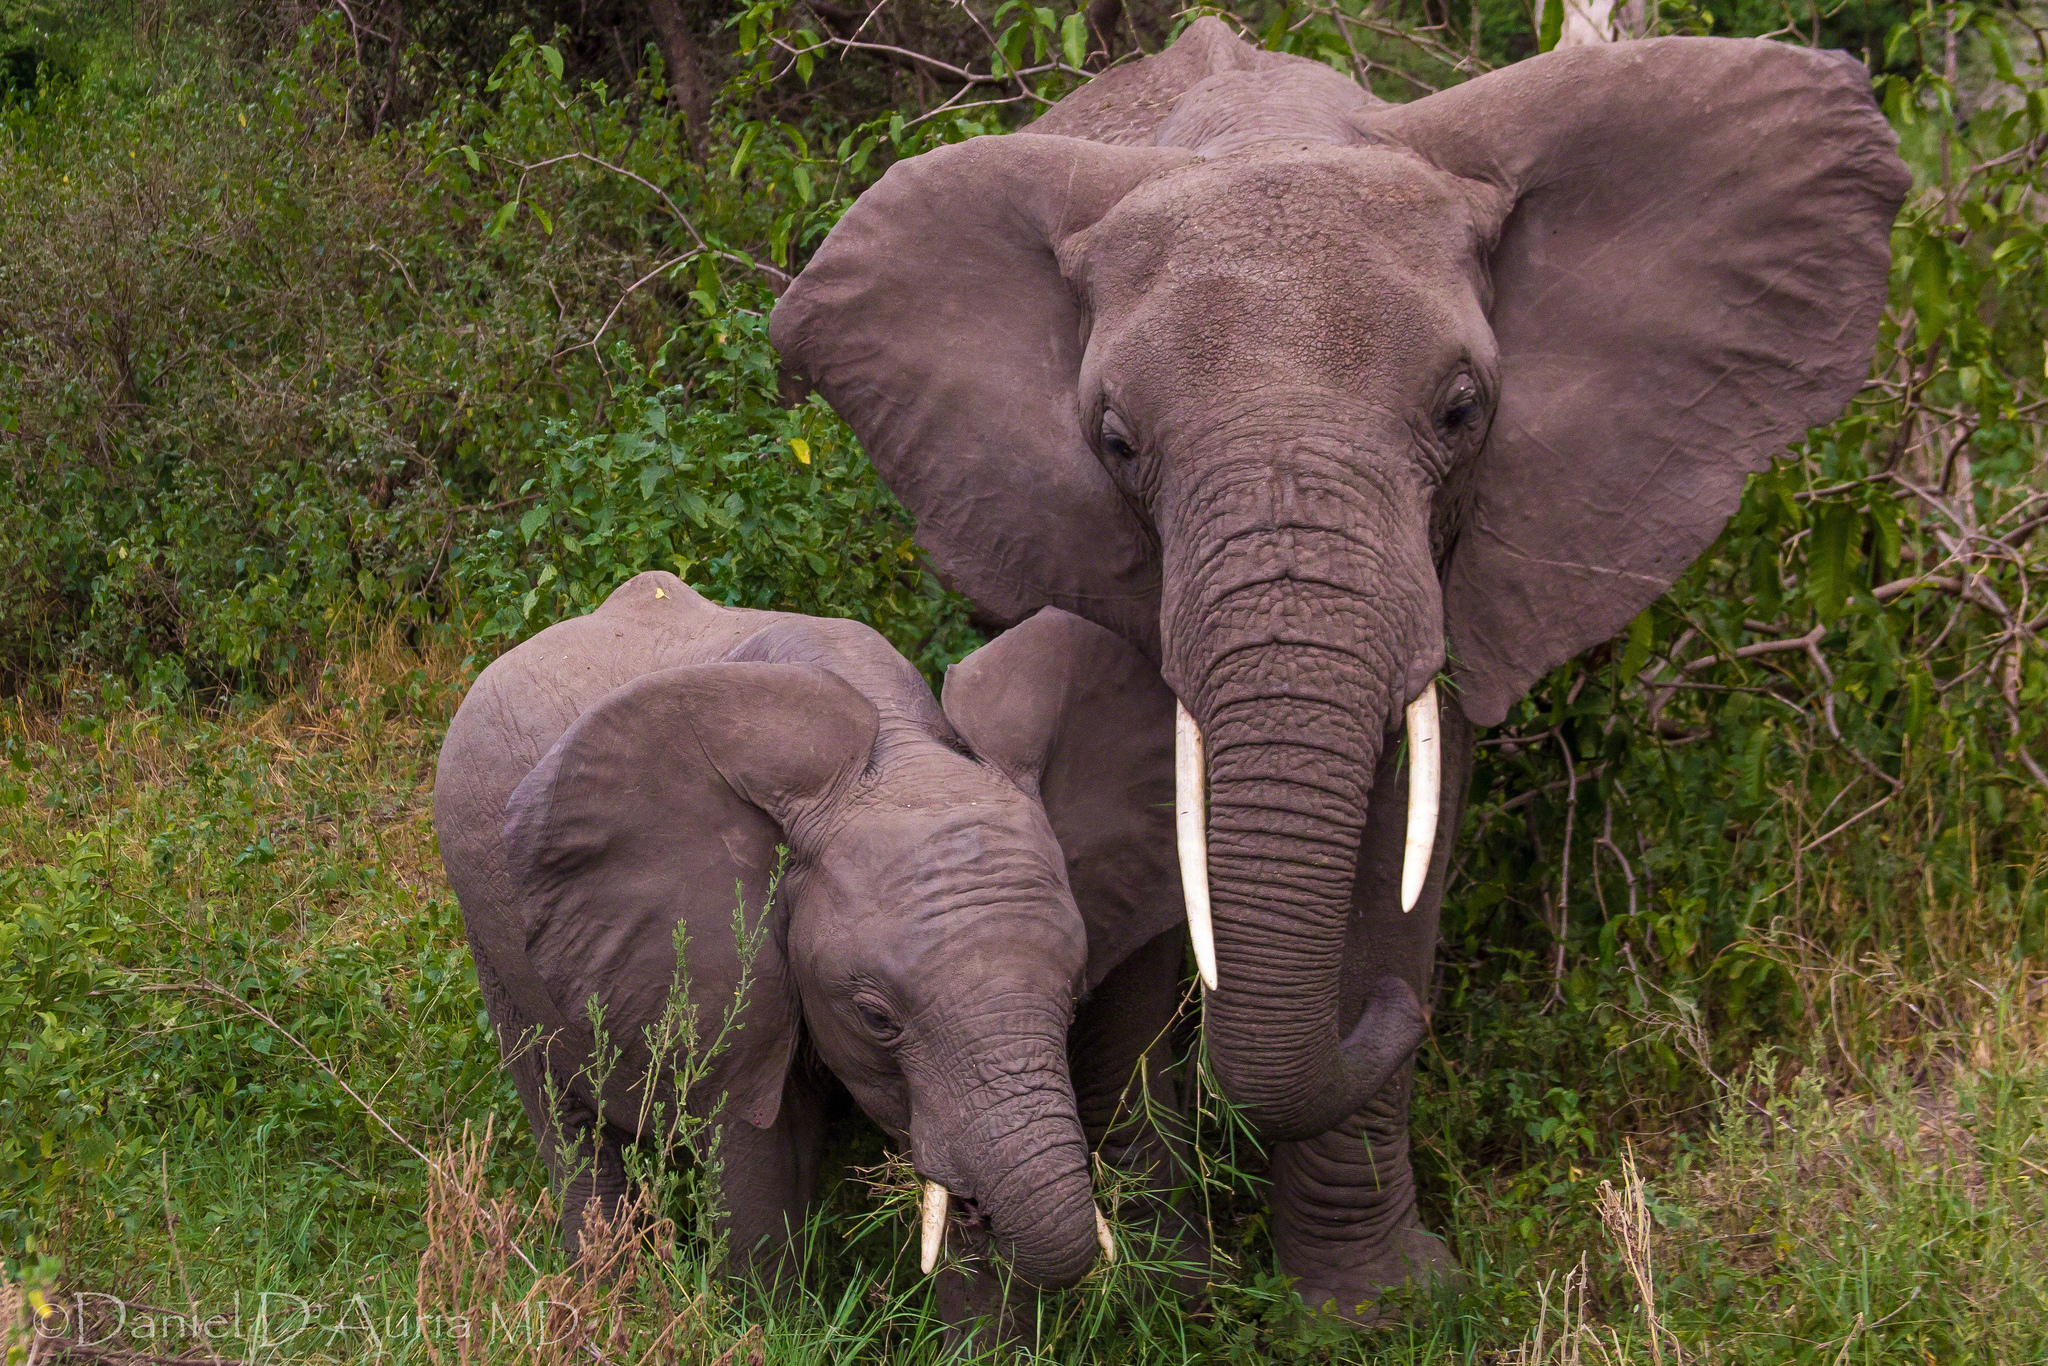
(661, 816)
(1689, 275)
(1076, 715)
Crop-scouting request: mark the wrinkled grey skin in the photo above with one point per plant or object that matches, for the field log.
(621, 773)
(1311, 397)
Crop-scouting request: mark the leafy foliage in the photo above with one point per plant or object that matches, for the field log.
(263, 375)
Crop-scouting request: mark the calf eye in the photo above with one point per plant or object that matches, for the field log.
(1461, 407)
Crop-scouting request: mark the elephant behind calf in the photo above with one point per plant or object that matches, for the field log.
(612, 787)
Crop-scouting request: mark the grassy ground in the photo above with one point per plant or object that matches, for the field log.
(245, 1056)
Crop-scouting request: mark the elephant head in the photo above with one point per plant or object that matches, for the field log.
(802, 827)
(1314, 398)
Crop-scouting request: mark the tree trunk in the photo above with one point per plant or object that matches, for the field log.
(689, 88)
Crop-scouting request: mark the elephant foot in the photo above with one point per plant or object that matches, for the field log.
(1345, 1225)
(982, 1310)
(1411, 1257)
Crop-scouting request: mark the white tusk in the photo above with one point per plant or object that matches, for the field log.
(1104, 1237)
(1191, 818)
(1425, 784)
(933, 1206)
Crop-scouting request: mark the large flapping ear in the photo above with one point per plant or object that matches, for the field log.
(1075, 714)
(935, 319)
(1690, 277)
(664, 806)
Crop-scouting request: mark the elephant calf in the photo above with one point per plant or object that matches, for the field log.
(611, 788)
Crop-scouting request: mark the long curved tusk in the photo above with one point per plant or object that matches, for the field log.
(1191, 820)
(933, 1207)
(1105, 1237)
(1425, 786)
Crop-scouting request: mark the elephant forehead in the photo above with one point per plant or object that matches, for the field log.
(969, 888)
(1280, 208)
(937, 851)
(1339, 262)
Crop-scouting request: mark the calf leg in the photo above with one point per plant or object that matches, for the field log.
(766, 1180)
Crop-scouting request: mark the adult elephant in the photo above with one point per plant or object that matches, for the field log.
(1314, 398)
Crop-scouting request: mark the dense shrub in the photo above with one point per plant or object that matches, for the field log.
(262, 375)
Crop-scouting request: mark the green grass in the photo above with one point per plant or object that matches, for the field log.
(167, 875)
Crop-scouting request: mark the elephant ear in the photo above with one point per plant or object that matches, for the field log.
(934, 318)
(1076, 715)
(1690, 276)
(661, 810)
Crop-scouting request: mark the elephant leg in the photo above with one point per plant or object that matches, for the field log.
(766, 1180)
(588, 1162)
(1344, 1219)
(1344, 1214)
(585, 1158)
(1127, 1086)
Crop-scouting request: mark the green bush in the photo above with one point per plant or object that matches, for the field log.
(263, 377)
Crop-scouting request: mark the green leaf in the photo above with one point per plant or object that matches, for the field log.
(739, 158)
(1896, 42)
(802, 177)
(1641, 634)
(554, 60)
(501, 218)
(532, 522)
(649, 477)
(1827, 562)
(1919, 695)
(1551, 26)
(1074, 38)
(1930, 288)
(1751, 770)
(2000, 48)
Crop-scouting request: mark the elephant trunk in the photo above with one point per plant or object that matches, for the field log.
(1009, 1148)
(1296, 643)
(1284, 831)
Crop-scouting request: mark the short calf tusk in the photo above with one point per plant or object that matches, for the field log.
(1105, 1237)
(1191, 824)
(933, 1208)
(1425, 784)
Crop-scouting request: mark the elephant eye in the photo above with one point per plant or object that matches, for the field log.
(878, 1021)
(1115, 444)
(1461, 407)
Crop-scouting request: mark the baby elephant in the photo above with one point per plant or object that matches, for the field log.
(619, 783)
